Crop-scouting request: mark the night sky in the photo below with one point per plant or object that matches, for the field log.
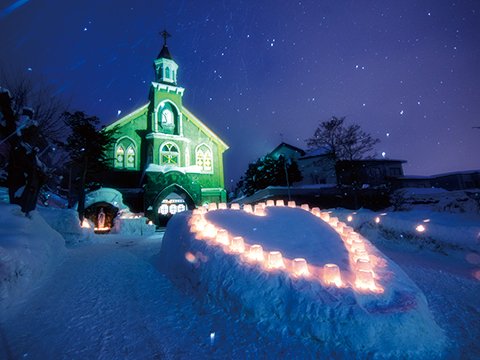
(259, 72)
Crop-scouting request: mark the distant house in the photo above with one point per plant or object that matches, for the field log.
(371, 172)
(317, 166)
(459, 180)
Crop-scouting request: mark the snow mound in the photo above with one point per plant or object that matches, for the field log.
(66, 222)
(132, 226)
(107, 195)
(28, 249)
(391, 319)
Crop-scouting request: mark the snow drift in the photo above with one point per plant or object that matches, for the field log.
(354, 323)
(28, 249)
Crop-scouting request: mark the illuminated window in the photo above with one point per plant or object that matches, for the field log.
(181, 207)
(119, 157)
(203, 158)
(173, 209)
(130, 157)
(163, 209)
(169, 154)
(125, 159)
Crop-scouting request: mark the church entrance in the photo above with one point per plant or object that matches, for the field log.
(172, 200)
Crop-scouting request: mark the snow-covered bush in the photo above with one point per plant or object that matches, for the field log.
(132, 226)
(29, 248)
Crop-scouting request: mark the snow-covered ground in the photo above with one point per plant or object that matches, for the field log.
(107, 298)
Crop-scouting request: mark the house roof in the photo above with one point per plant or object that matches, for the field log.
(291, 147)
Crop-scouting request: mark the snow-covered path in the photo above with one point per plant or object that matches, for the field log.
(108, 301)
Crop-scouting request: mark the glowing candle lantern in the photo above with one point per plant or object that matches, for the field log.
(212, 206)
(325, 216)
(85, 224)
(340, 227)
(237, 245)
(259, 210)
(196, 211)
(347, 230)
(235, 206)
(420, 228)
(247, 208)
(280, 203)
(222, 237)
(270, 203)
(305, 207)
(331, 275)
(316, 211)
(364, 280)
(262, 204)
(299, 267)
(194, 219)
(363, 264)
(275, 260)
(222, 206)
(333, 221)
(292, 204)
(352, 237)
(349, 218)
(150, 222)
(256, 253)
(357, 244)
(209, 232)
(360, 254)
(377, 220)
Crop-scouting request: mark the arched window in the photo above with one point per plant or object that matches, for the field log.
(130, 157)
(169, 154)
(125, 159)
(167, 72)
(119, 157)
(203, 158)
(167, 118)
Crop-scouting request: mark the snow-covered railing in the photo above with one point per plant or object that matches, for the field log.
(363, 278)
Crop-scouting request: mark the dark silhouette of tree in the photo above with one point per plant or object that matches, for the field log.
(87, 146)
(268, 171)
(344, 142)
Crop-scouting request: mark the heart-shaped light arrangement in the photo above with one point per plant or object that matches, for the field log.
(329, 274)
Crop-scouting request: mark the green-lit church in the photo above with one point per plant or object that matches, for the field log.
(165, 159)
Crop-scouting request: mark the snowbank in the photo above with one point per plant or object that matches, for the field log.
(440, 230)
(28, 250)
(352, 323)
(66, 222)
(132, 226)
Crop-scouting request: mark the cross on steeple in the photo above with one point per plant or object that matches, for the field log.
(165, 36)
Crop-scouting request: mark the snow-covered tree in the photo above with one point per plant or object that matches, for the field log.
(344, 142)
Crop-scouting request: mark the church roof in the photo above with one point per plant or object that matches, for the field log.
(165, 53)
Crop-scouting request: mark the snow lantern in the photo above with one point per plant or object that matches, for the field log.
(222, 206)
(292, 204)
(305, 207)
(237, 245)
(270, 203)
(331, 275)
(316, 211)
(333, 221)
(209, 231)
(299, 267)
(280, 203)
(357, 244)
(325, 216)
(339, 227)
(275, 260)
(247, 208)
(420, 228)
(363, 264)
(256, 253)
(360, 254)
(349, 218)
(235, 206)
(85, 224)
(222, 237)
(351, 237)
(364, 280)
(377, 220)
(259, 210)
(212, 206)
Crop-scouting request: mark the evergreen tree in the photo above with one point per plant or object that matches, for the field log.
(87, 147)
(268, 171)
(342, 141)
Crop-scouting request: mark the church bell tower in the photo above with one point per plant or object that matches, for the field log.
(166, 69)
